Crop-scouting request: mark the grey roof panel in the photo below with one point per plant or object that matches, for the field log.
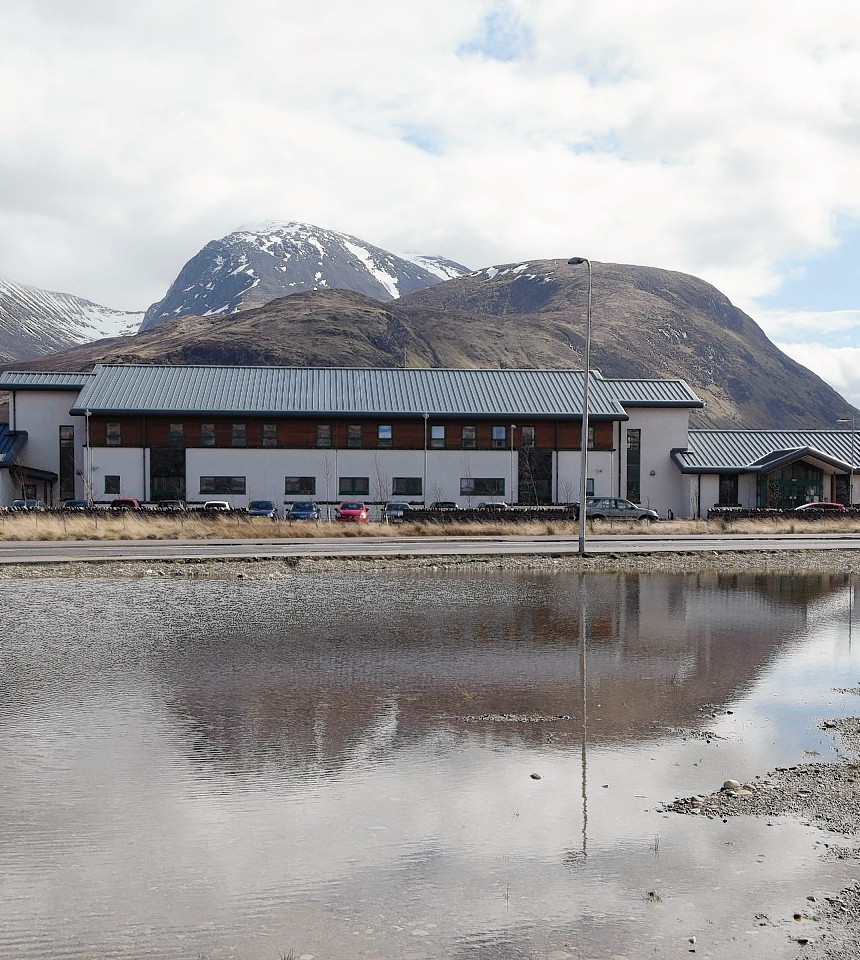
(232, 390)
(43, 380)
(748, 450)
(11, 443)
(651, 393)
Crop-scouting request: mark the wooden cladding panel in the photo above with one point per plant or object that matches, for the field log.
(302, 433)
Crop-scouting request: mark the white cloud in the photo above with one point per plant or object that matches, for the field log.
(838, 366)
(720, 140)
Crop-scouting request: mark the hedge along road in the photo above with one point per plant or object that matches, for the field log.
(17, 552)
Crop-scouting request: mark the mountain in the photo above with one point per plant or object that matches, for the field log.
(646, 322)
(36, 322)
(255, 265)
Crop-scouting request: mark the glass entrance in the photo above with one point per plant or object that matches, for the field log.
(790, 486)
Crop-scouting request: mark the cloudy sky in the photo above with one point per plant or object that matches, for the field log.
(718, 139)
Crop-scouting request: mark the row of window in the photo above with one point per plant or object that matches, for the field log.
(346, 486)
(354, 436)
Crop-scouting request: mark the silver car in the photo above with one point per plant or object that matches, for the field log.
(598, 509)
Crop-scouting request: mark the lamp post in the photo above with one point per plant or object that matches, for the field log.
(583, 442)
(851, 474)
(88, 466)
(424, 487)
(513, 427)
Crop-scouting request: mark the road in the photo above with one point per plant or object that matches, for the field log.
(261, 548)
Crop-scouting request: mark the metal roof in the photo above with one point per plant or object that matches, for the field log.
(137, 389)
(651, 393)
(43, 380)
(11, 442)
(754, 451)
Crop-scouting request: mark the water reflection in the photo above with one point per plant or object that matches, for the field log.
(342, 766)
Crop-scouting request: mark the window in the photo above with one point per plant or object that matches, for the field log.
(729, 490)
(634, 465)
(222, 485)
(437, 438)
(67, 462)
(500, 438)
(207, 434)
(176, 434)
(304, 486)
(527, 437)
(353, 486)
(468, 437)
(111, 484)
(353, 435)
(239, 435)
(113, 434)
(406, 487)
(270, 434)
(482, 486)
(590, 437)
(323, 434)
(385, 435)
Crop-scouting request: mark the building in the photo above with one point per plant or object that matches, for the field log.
(242, 433)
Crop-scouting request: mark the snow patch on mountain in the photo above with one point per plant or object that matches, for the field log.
(259, 263)
(35, 322)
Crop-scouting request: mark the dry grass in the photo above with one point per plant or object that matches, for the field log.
(128, 526)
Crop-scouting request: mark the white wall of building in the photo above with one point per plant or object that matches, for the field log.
(130, 464)
(41, 413)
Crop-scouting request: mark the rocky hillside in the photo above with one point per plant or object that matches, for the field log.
(254, 266)
(36, 322)
(646, 323)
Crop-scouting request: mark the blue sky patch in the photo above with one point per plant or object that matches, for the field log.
(502, 36)
(828, 282)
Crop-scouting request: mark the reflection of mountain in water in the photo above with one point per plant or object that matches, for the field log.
(337, 670)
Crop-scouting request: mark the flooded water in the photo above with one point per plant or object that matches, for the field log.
(340, 767)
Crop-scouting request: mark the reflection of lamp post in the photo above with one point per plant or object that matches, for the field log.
(851, 474)
(424, 487)
(583, 440)
(513, 427)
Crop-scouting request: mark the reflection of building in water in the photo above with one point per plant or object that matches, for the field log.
(310, 683)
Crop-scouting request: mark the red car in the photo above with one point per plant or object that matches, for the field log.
(822, 505)
(353, 511)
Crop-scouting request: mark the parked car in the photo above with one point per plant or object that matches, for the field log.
(262, 508)
(125, 503)
(444, 505)
(598, 509)
(217, 506)
(497, 505)
(824, 506)
(352, 511)
(75, 504)
(172, 506)
(395, 511)
(303, 510)
(29, 504)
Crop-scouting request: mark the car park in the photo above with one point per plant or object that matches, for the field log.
(76, 504)
(395, 511)
(262, 508)
(217, 506)
(599, 509)
(352, 511)
(303, 510)
(125, 503)
(28, 504)
(824, 506)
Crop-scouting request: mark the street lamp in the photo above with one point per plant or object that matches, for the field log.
(575, 262)
(851, 474)
(424, 487)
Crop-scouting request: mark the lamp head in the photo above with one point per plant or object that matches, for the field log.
(576, 261)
